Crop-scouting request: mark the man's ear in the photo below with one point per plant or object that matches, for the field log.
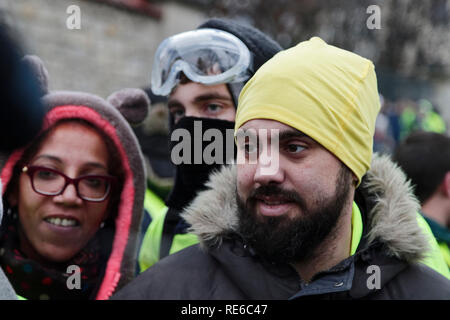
(354, 180)
(446, 185)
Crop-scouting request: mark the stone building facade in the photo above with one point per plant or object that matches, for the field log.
(113, 48)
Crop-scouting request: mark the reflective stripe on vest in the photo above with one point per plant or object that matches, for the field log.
(149, 252)
(434, 122)
(445, 252)
(434, 259)
(154, 204)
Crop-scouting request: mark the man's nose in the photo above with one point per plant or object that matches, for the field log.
(268, 169)
(192, 112)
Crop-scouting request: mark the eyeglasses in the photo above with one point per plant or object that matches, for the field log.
(50, 182)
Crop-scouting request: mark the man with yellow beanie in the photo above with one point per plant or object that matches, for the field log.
(307, 212)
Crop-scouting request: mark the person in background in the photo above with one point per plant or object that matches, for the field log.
(425, 158)
(316, 218)
(73, 198)
(202, 73)
(21, 111)
(153, 137)
(383, 141)
(420, 116)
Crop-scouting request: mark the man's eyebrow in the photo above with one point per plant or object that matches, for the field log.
(211, 96)
(174, 103)
(289, 134)
(282, 135)
(201, 98)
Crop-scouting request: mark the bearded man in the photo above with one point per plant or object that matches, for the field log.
(307, 212)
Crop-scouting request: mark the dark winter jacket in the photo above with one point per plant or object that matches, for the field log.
(385, 265)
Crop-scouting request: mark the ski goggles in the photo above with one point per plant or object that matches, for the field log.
(207, 56)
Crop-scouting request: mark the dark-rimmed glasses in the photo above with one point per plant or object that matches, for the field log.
(50, 182)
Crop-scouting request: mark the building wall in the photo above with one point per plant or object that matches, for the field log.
(113, 49)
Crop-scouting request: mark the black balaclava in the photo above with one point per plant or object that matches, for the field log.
(191, 178)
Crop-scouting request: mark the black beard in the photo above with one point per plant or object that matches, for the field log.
(287, 240)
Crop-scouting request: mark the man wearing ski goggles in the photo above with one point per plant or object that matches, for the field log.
(202, 73)
(202, 61)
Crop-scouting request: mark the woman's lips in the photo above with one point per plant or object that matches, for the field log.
(61, 232)
(62, 221)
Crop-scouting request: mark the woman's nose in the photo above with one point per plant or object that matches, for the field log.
(69, 196)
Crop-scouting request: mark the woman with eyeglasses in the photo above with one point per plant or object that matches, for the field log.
(74, 198)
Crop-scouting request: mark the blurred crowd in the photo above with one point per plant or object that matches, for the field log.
(398, 119)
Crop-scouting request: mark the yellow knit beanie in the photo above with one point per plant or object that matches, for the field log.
(327, 93)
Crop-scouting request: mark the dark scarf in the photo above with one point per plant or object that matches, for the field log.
(190, 178)
(34, 281)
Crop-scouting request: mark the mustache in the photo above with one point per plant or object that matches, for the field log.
(274, 190)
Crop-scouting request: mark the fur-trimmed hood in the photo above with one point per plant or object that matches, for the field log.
(392, 221)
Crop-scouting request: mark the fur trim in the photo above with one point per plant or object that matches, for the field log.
(213, 212)
(392, 221)
(133, 104)
(39, 70)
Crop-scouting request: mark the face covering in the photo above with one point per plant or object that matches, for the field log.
(198, 146)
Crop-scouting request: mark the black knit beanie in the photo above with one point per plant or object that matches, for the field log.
(260, 45)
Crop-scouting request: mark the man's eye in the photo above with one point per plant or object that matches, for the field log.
(214, 107)
(177, 113)
(250, 148)
(294, 148)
